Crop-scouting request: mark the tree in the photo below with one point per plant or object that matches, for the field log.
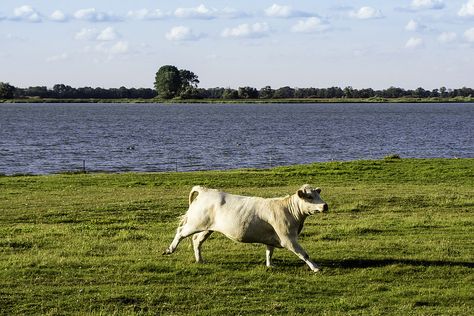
(230, 94)
(191, 93)
(247, 93)
(168, 82)
(266, 92)
(7, 91)
(38, 91)
(188, 79)
(442, 92)
(171, 82)
(63, 91)
(214, 93)
(349, 92)
(284, 93)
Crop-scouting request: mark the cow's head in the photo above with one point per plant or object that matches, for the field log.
(310, 200)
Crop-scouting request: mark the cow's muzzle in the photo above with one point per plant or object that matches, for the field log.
(325, 208)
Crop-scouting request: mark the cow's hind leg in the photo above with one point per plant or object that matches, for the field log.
(181, 233)
(198, 240)
(268, 255)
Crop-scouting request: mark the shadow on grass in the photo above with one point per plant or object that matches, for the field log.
(374, 263)
(342, 263)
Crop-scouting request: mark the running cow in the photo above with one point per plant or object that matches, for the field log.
(275, 222)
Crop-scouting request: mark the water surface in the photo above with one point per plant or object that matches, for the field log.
(49, 138)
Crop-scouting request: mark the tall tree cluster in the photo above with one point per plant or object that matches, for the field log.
(7, 91)
(171, 82)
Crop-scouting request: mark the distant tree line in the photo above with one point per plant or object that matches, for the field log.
(61, 91)
(173, 83)
(326, 93)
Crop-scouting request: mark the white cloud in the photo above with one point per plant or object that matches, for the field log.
(447, 37)
(366, 13)
(427, 4)
(231, 13)
(92, 15)
(467, 9)
(107, 34)
(57, 58)
(182, 33)
(414, 26)
(414, 42)
(255, 30)
(145, 14)
(469, 35)
(86, 34)
(26, 13)
(279, 11)
(283, 11)
(310, 25)
(121, 47)
(204, 13)
(92, 34)
(58, 16)
(200, 12)
(110, 50)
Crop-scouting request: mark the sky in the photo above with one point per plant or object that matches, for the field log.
(257, 43)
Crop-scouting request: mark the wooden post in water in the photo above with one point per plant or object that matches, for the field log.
(84, 166)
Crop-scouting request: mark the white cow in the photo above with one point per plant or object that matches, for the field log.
(275, 222)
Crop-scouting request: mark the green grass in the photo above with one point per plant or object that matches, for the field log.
(398, 240)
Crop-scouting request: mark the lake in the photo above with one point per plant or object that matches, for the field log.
(51, 138)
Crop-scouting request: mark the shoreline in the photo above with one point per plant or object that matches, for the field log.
(387, 159)
(244, 101)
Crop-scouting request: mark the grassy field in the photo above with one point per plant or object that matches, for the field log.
(398, 240)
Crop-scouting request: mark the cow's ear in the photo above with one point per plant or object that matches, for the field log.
(303, 195)
(318, 190)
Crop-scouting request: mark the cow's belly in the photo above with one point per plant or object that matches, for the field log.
(254, 231)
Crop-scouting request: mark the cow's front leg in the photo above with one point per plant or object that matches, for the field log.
(268, 255)
(296, 248)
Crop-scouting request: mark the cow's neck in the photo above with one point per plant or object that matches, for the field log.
(295, 210)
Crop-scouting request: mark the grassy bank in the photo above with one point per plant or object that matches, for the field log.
(398, 240)
(253, 101)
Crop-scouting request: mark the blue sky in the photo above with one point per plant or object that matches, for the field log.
(378, 44)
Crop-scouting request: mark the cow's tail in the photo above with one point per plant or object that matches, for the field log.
(192, 196)
(194, 193)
